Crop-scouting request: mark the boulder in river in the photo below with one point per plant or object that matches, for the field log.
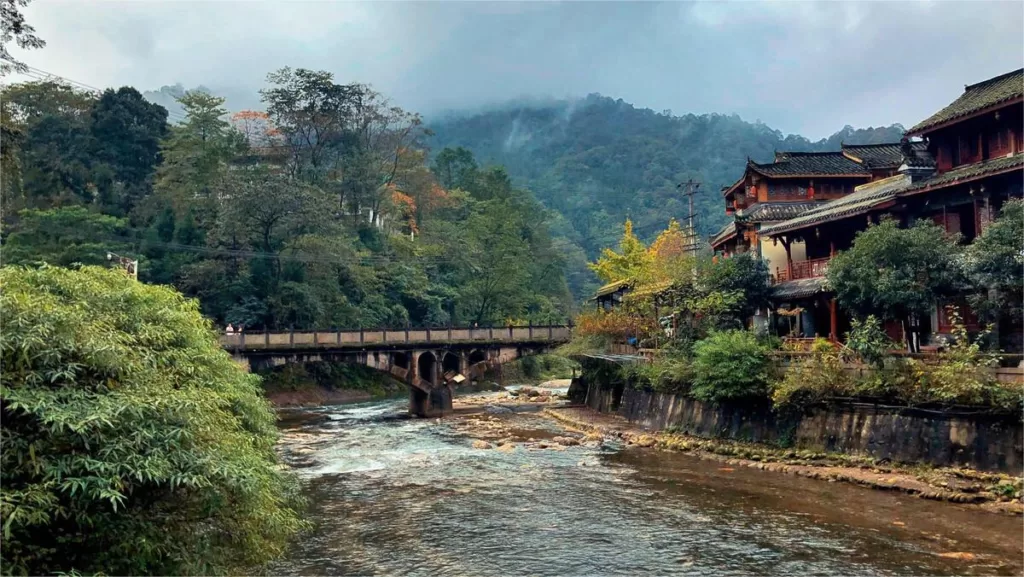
(480, 444)
(567, 441)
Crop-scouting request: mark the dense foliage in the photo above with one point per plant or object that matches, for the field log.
(895, 272)
(596, 161)
(132, 444)
(729, 365)
(319, 212)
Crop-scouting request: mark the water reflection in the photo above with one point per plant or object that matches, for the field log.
(406, 496)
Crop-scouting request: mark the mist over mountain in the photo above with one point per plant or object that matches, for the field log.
(596, 161)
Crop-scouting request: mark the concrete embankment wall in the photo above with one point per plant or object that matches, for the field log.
(984, 442)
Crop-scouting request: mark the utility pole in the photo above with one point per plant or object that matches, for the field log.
(130, 266)
(691, 188)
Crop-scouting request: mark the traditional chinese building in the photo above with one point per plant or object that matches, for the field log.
(968, 161)
(793, 184)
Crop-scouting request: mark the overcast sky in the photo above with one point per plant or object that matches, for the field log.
(807, 68)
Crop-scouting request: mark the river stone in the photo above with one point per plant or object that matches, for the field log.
(497, 409)
(479, 444)
(567, 441)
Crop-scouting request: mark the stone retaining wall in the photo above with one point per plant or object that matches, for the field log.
(984, 442)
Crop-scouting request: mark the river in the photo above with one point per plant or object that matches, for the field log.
(391, 496)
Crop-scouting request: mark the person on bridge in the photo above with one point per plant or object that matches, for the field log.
(229, 330)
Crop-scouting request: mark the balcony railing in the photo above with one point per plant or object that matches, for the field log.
(803, 269)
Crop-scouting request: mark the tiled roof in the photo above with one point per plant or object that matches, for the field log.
(869, 196)
(977, 97)
(727, 189)
(889, 155)
(970, 171)
(651, 289)
(775, 211)
(863, 198)
(612, 287)
(810, 164)
(726, 232)
(799, 288)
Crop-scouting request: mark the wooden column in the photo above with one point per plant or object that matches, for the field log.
(789, 258)
(833, 321)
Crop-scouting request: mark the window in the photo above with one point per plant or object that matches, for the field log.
(950, 222)
(969, 149)
(998, 143)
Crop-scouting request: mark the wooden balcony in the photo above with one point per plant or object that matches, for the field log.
(803, 269)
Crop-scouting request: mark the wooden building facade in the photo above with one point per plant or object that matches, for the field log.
(965, 162)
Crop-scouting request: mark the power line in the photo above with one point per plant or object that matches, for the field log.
(43, 75)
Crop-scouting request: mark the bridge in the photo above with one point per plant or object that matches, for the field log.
(426, 359)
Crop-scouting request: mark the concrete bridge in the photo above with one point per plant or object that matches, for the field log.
(428, 360)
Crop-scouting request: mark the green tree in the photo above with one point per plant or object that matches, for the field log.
(133, 444)
(65, 236)
(730, 365)
(126, 132)
(49, 124)
(455, 168)
(196, 153)
(995, 260)
(894, 272)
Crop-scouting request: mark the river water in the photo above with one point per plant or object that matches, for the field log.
(393, 496)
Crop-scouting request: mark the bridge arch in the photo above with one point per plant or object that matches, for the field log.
(400, 359)
(477, 356)
(426, 365)
(450, 362)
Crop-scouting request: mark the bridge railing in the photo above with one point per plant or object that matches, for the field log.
(356, 339)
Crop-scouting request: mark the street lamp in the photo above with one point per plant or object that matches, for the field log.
(130, 266)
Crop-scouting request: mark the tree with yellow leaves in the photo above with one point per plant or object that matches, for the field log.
(633, 261)
(671, 254)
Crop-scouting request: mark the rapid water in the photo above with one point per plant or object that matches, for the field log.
(393, 496)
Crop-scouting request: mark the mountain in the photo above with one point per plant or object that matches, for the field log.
(596, 160)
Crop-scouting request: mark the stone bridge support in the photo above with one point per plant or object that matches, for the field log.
(423, 369)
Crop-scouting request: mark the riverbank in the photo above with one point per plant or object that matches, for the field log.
(535, 495)
(979, 490)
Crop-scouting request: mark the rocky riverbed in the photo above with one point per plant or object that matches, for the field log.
(518, 492)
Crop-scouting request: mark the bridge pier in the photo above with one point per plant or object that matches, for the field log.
(436, 403)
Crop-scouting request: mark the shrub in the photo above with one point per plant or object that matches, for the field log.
(815, 377)
(666, 373)
(868, 340)
(616, 324)
(132, 444)
(963, 373)
(731, 365)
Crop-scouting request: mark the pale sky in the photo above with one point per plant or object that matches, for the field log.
(806, 68)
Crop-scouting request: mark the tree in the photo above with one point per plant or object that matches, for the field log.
(743, 275)
(995, 260)
(632, 261)
(14, 28)
(455, 168)
(126, 134)
(52, 145)
(312, 113)
(65, 236)
(133, 444)
(896, 273)
(498, 260)
(995, 265)
(196, 153)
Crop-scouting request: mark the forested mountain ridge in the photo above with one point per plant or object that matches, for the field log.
(597, 160)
